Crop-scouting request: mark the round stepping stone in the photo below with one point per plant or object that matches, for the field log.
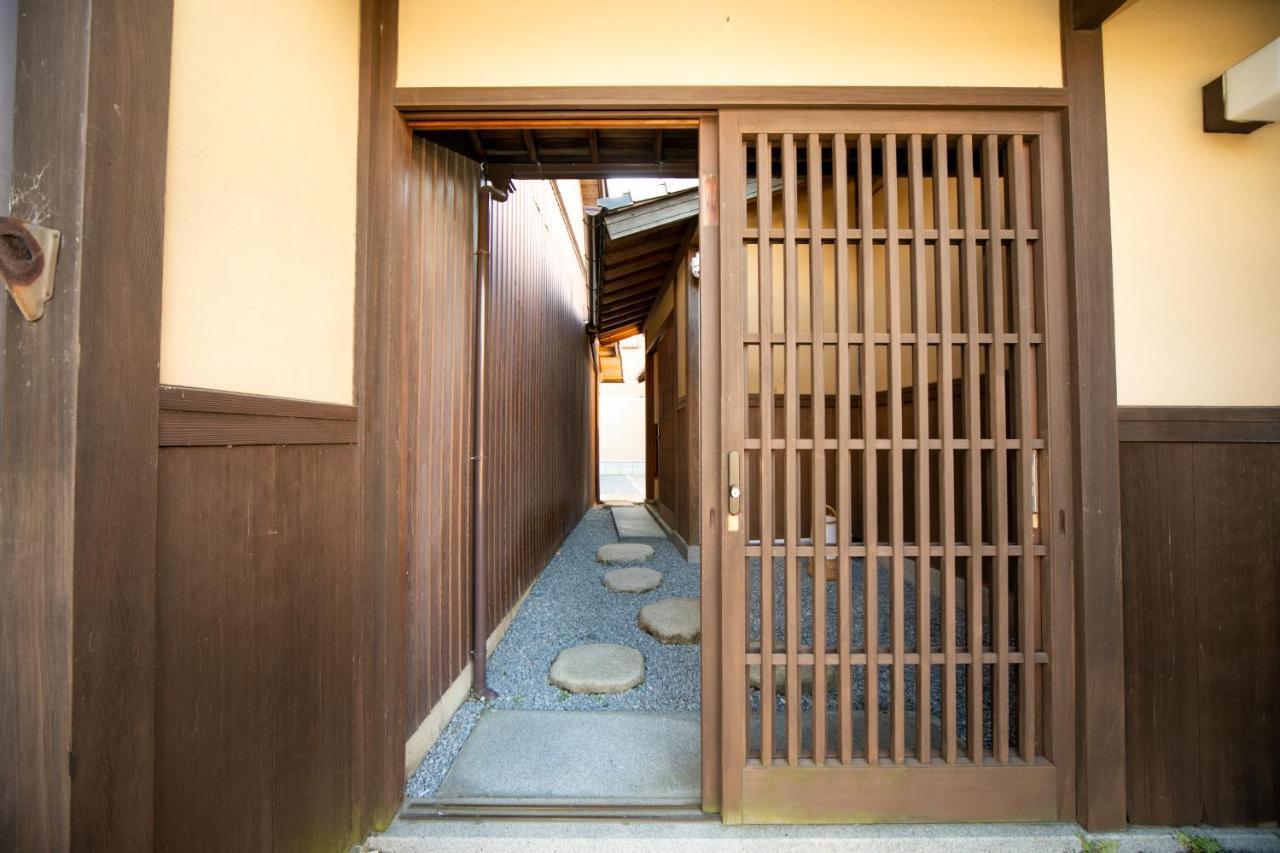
(633, 579)
(623, 552)
(672, 620)
(597, 668)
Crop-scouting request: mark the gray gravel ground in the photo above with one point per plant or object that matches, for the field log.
(857, 594)
(569, 606)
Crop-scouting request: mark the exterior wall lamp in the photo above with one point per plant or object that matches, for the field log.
(1247, 95)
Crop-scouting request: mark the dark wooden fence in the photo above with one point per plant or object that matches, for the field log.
(539, 407)
(1200, 503)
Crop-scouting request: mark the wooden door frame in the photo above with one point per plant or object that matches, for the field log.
(1094, 522)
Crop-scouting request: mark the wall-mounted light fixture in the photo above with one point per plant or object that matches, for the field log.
(695, 265)
(1247, 95)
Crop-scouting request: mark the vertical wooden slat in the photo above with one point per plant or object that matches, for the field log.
(946, 426)
(839, 159)
(818, 410)
(1000, 479)
(920, 408)
(973, 431)
(792, 428)
(1028, 600)
(764, 218)
(897, 508)
(870, 562)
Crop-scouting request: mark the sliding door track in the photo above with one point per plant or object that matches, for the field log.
(520, 809)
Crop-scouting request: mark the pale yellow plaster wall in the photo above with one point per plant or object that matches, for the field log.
(1195, 216)
(260, 206)
(729, 42)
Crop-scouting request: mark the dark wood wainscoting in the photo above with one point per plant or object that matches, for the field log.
(1200, 508)
(257, 707)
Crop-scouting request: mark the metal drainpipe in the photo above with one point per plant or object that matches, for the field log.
(479, 568)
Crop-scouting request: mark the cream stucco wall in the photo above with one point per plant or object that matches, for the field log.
(260, 207)
(1195, 216)
(721, 42)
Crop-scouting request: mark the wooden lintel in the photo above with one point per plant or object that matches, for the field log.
(671, 99)
(588, 124)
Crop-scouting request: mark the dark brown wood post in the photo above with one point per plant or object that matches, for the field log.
(78, 449)
(385, 146)
(1100, 764)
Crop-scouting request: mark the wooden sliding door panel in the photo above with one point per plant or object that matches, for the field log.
(896, 607)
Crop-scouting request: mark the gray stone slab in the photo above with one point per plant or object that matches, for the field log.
(546, 756)
(597, 668)
(633, 579)
(709, 836)
(672, 620)
(636, 522)
(623, 552)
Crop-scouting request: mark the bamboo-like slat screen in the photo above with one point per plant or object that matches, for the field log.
(895, 430)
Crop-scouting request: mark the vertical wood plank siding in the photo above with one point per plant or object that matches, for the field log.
(541, 388)
(438, 399)
(539, 408)
(1201, 550)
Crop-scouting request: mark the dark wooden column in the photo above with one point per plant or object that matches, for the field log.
(385, 146)
(78, 397)
(1100, 764)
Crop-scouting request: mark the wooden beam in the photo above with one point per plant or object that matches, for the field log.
(530, 146)
(1091, 14)
(650, 284)
(631, 280)
(671, 99)
(632, 268)
(642, 248)
(1100, 764)
(586, 171)
(593, 142)
(622, 269)
(631, 302)
(630, 316)
(587, 124)
(614, 335)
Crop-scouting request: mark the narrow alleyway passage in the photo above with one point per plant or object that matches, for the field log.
(569, 606)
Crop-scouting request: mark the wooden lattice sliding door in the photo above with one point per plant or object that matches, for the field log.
(893, 355)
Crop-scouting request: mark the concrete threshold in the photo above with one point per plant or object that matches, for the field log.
(547, 757)
(532, 836)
